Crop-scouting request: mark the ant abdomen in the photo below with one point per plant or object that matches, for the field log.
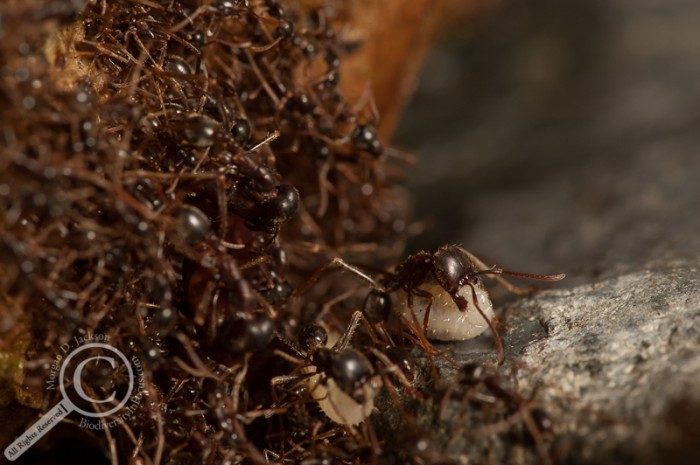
(347, 388)
(240, 334)
(269, 215)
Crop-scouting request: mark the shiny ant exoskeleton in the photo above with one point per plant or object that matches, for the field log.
(341, 379)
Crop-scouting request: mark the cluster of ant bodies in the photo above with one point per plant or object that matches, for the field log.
(179, 176)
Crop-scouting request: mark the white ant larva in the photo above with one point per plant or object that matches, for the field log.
(447, 322)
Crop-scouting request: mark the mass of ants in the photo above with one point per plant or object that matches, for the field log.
(187, 178)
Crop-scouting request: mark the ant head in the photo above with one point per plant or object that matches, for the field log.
(451, 265)
(201, 130)
(270, 215)
(377, 306)
(403, 359)
(364, 137)
(312, 337)
(241, 131)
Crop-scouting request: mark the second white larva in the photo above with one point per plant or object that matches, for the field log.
(446, 322)
(337, 405)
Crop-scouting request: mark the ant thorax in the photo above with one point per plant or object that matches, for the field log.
(446, 322)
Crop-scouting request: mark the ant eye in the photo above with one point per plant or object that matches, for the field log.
(249, 334)
(376, 306)
(473, 373)
(241, 131)
(312, 337)
(193, 226)
(364, 137)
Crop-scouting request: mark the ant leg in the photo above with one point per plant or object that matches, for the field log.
(223, 210)
(342, 263)
(324, 187)
(267, 140)
(422, 340)
(279, 381)
(496, 273)
(395, 370)
(344, 340)
(201, 369)
(499, 344)
(535, 433)
(326, 307)
(426, 317)
(266, 85)
(238, 381)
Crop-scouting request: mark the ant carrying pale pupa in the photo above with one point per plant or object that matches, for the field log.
(443, 293)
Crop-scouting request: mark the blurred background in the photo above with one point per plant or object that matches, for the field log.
(562, 135)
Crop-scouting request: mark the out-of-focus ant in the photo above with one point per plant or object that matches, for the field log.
(213, 270)
(537, 421)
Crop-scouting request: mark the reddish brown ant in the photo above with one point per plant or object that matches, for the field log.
(450, 270)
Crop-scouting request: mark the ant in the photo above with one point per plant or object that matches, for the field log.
(341, 379)
(238, 332)
(455, 305)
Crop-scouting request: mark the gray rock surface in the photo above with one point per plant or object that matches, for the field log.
(618, 358)
(563, 137)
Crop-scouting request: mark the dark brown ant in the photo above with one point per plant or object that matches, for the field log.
(229, 332)
(339, 372)
(365, 138)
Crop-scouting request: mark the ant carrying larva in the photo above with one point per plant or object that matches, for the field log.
(442, 293)
(341, 379)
